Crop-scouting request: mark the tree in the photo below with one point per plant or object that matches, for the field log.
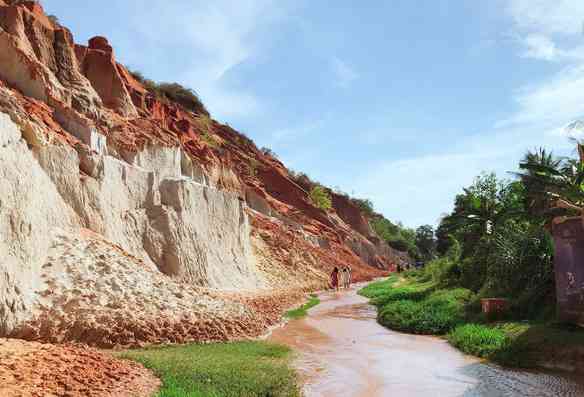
(553, 183)
(425, 242)
(539, 167)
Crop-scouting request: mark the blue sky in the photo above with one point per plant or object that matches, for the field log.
(399, 101)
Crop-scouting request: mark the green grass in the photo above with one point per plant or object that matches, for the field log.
(428, 313)
(478, 340)
(519, 344)
(221, 370)
(303, 310)
(414, 304)
(379, 288)
(417, 307)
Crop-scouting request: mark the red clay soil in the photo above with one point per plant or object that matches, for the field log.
(38, 370)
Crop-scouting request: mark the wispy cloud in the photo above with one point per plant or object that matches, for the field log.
(419, 188)
(293, 134)
(212, 39)
(545, 30)
(344, 75)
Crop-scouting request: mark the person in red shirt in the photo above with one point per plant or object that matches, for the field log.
(335, 279)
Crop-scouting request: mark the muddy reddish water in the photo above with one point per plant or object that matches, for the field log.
(343, 351)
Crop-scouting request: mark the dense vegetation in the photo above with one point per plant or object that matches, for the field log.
(229, 369)
(186, 97)
(495, 243)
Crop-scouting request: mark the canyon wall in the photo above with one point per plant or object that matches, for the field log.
(126, 218)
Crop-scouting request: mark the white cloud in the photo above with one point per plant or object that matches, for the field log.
(343, 73)
(419, 189)
(539, 46)
(546, 29)
(554, 102)
(562, 17)
(212, 39)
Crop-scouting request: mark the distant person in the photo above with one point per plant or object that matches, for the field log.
(349, 276)
(335, 279)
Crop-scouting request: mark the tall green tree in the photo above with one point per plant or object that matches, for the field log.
(426, 242)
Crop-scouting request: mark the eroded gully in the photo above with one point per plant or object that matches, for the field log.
(343, 351)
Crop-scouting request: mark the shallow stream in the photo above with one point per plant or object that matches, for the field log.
(343, 351)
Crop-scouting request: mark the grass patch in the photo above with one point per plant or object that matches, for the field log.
(522, 345)
(221, 370)
(478, 340)
(417, 307)
(429, 313)
(379, 288)
(303, 310)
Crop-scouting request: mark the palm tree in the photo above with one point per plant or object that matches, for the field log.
(541, 167)
(553, 182)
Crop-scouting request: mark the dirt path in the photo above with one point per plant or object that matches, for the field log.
(30, 369)
(343, 351)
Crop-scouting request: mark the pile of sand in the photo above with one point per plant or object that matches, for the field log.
(34, 369)
(96, 293)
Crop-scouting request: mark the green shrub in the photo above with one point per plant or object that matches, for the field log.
(478, 340)
(268, 152)
(443, 271)
(365, 205)
(321, 198)
(186, 97)
(437, 313)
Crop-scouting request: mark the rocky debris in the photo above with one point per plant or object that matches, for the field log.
(30, 369)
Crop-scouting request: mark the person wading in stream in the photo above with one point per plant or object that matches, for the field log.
(335, 279)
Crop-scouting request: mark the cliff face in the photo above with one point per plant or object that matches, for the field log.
(127, 219)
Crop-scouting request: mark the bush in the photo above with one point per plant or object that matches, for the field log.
(321, 198)
(186, 97)
(478, 340)
(303, 180)
(444, 271)
(365, 205)
(436, 314)
(269, 152)
(54, 20)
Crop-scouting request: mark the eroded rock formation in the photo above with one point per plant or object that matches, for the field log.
(126, 219)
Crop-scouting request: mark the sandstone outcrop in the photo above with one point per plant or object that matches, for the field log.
(127, 219)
